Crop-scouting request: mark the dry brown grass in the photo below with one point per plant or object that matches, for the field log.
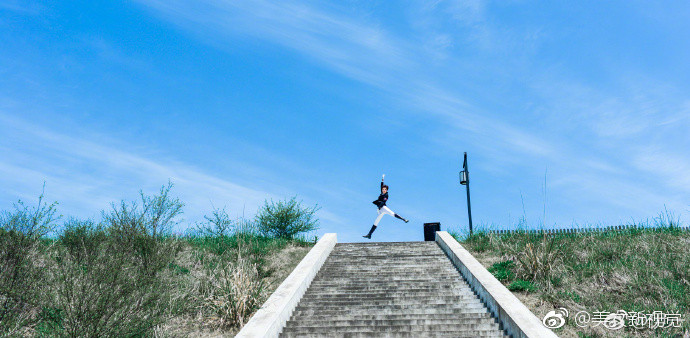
(222, 297)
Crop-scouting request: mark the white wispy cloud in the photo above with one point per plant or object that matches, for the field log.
(352, 47)
(346, 46)
(401, 68)
(397, 67)
(85, 175)
(630, 138)
(672, 168)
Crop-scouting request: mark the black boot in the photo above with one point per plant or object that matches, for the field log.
(400, 217)
(373, 227)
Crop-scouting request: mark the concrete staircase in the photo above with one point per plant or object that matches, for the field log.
(406, 289)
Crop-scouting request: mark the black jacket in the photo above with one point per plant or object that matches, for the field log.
(381, 201)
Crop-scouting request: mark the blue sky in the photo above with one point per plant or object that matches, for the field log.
(571, 113)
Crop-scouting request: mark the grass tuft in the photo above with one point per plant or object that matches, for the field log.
(522, 285)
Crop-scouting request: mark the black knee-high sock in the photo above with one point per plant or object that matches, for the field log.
(398, 216)
(373, 227)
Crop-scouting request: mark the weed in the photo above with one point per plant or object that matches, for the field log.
(503, 271)
(538, 257)
(479, 241)
(522, 285)
(233, 291)
(667, 219)
(178, 270)
(218, 224)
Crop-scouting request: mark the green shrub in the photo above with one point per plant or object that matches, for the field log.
(503, 271)
(522, 285)
(50, 321)
(141, 230)
(20, 277)
(217, 225)
(113, 279)
(82, 238)
(286, 219)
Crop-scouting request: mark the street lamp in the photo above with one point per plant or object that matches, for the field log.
(465, 180)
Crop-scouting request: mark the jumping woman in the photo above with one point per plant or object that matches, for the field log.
(383, 209)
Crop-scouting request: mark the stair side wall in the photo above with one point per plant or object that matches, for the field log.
(275, 312)
(515, 318)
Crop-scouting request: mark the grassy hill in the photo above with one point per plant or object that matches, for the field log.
(127, 275)
(640, 269)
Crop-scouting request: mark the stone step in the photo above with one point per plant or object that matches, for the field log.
(364, 266)
(336, 323)
(456, 316)
(384, 277)
(389, 269)
(377, 249)
(410, 303)
(466, 302)
(404, 282)
(359, 293)
(383, 247)
(384, 271)
(380, 250)
(450, 299)
(411, 255)
(388, 292)
(440, 279)
(368, 243)
(392, 252)
(303, 312)
(463, 328)
(392, 267)
(419, 278)
(387, 246)
(362, 289)
(431, 274)
(382, 284)
(436, 334)
(405, 257)
(389, 295)
(388, 279)
(392, 307)
(377, 289)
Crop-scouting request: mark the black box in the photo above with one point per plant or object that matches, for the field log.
(430, 230)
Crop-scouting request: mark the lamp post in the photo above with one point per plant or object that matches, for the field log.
(465, 180)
